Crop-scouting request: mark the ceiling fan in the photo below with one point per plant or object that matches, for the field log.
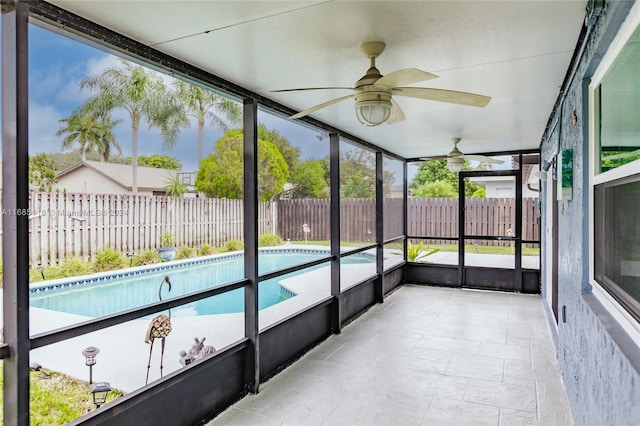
(455, 158)
(373, 92)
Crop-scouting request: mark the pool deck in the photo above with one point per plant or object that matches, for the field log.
(123, 356)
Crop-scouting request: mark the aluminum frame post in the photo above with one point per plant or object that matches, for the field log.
(250, 202)
(15, 199)
(334, 185)
(379, 227)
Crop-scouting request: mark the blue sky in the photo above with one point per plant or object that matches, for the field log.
(58, 64)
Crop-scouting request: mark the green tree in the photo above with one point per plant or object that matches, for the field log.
(357, 174)
(308, 180)
(438, 170)
(142, 95)
(358, 185)
(159, 162)
(221, 174)
(42, 172)
(290, 153)
(90, 132)
(204, 105)
(437, 189)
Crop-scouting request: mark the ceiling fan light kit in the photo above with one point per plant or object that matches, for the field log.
(373, 107)
(455, 164)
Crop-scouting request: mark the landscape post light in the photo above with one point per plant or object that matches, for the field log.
(99, 391)
(40, 269)
(131, 259)
(90, 360)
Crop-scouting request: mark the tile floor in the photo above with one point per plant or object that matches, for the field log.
(427, 356)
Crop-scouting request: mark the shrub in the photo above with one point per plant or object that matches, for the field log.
(109, 259)
(147, 257)
(234, 245)
(167, 239)
(185, 252)
(414, 253)
(72, 266)
(206, 249)
(269, 239)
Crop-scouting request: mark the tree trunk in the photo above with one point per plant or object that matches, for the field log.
(200, 139)
(135, 121)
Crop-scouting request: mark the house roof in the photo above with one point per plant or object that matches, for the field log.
(149, 178)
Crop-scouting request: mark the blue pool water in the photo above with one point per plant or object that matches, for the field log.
(125, 291)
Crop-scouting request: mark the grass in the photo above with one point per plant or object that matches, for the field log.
(57, 398)
(469, 248)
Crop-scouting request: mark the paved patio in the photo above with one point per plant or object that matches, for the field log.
(427, 356)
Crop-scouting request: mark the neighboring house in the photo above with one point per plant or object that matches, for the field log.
(112, 178)
(505, 186)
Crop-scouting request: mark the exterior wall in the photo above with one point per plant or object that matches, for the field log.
(87, 181)
(599, 361)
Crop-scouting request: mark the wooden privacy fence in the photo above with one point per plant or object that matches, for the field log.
(427, 217)
(68, 223)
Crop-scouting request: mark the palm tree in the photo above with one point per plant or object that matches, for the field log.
(205, 105)
(81, 129)
(142, 95)
(107, 138)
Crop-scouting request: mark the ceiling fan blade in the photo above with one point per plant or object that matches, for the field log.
(450, 96)
(622, 155)
(320, 106)
(311, 88)
(402, 77)
(396, 113)
(482, 159)
(436, 158)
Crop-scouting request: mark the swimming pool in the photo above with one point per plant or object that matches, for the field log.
(105, 294)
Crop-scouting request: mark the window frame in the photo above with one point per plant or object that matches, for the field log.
(624, 317)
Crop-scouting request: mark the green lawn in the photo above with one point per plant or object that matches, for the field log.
(469, 248)
(56, 398)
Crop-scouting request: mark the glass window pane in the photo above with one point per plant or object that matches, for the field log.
(357, 196)
(531, 256)
(294, 292)
(494, 214)
(124, 354)
(490, 254)
(393, 253)
(356, 268)
(432, 251)
(618, 103)
(298, 211)
(393, 172)
(617, 240)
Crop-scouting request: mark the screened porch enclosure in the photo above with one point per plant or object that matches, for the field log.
(489, 243)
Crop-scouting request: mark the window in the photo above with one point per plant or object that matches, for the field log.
(615, 177)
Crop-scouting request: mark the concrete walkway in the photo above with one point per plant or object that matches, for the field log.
(427, 356)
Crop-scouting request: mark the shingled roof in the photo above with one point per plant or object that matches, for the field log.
(149, 178)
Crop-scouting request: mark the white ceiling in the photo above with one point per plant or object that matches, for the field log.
(517, 52)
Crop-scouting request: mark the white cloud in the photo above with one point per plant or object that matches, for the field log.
(43, 125)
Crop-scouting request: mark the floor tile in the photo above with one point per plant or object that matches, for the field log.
(427, 356)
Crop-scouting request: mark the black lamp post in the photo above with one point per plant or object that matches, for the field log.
(41, 270)
(99, 391)
(90, 360)
(131, 259)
